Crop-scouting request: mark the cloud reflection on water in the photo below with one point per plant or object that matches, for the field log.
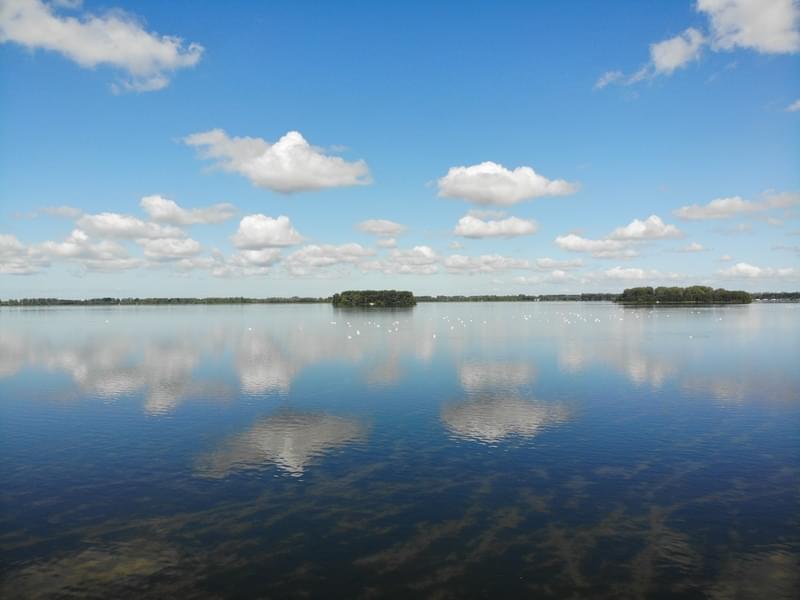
(291, 440)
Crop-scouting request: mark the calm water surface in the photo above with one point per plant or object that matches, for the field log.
(452, 450)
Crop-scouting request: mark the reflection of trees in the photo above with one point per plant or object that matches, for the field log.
(290, 440)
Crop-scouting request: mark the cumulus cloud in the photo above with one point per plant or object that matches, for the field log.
(18, 259)
(260, 231)
(473, 227)
(766, 26)
(381, 227)
(486, 263)
(105, 255)
(245, 263)
(116, 225)
(744, 270)
(794, 106)
(597, 248)
(652, 228)
(115, 39)
(169, 248)
(419, 260)
(260, 258)
(311, 257)
(492, 183)
(289, 165)
(163, 210)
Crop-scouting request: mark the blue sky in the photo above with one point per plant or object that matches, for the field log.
(464, 147)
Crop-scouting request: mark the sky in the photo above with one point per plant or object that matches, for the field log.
(302, 148)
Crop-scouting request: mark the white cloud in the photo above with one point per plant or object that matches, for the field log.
(163, 210)
(260, 231)
(492, 183)
(551, 263)
(693, 247)
(652, 228)
(115, 39)
(115, 225)
(767, 26)
(794, 106)
(302, 261)
(382, 227)
(289, 165)
(170, 248)
(608, 78)
(419, 260)
(245, 263)
(676, 52)
(105, 255)
(259, 258)
(473, 227)
(744, 270)
(18, 259)
(597, 248)
(726, 258)
(719, 208)
(486, 263)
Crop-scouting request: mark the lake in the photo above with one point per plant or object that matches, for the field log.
(450, 450)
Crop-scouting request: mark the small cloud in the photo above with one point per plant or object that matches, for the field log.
(381, 227)
(794, 106)
(605, 248)
(61, 212)
(608, 78)
(163, 210)
(473, 227)
(289, 165)
(693, 247)
(652, 228)
(260, 231)
(492, 183)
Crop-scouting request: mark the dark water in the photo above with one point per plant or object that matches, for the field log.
(454, 450)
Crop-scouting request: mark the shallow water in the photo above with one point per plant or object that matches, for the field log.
(450, 450)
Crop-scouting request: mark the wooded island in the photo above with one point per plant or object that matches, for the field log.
(696, 294)
(381, 298)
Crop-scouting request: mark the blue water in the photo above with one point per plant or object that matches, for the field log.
(557, 450)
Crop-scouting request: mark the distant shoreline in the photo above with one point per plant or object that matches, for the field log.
(782, 297)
